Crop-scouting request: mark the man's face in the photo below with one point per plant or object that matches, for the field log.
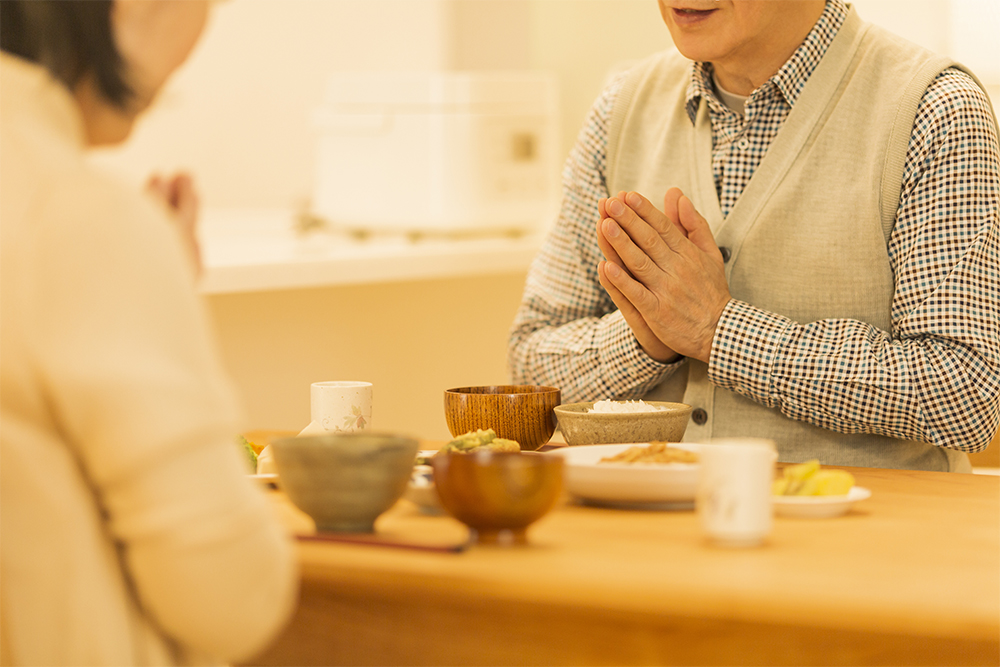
(722, 31)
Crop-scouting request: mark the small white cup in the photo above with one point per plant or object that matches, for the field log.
(339, 407)
(734, 490)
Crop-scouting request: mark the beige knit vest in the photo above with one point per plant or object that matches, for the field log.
(807, 237)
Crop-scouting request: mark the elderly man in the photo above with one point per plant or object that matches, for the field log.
(824, 271)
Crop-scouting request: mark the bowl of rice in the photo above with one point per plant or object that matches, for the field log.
(612, 422)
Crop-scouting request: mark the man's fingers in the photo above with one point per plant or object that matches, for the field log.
(644, 335)
(632, 317)
(698, 231)
(637, 294)
(607, 249)
(648, 236)
(624, 305)
(634, 257)
(637, 209)
(670, 201)
(652, 215)
(610, 277)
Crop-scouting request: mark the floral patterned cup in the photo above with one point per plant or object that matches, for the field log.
(340, 407)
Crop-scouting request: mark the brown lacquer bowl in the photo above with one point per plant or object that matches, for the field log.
(516, 412)
(498, 494)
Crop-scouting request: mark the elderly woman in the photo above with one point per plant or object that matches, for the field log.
(129, 531)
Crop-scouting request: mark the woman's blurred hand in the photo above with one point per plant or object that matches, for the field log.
(180, 198)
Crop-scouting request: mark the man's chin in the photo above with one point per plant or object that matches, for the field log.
(696, 50)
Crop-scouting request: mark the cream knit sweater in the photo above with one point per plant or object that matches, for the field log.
(129, 531)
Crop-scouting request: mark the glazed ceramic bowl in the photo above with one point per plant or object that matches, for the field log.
(344, 481)
(498, 495)
(523, 413)
(581, 427)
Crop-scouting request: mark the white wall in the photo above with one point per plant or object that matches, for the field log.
(239, 112)
(966, 30)
(410, 340)
(975, 39)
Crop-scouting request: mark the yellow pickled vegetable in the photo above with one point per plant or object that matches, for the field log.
(828, 483)
(795, 476)
(807, 479)
(482, 439)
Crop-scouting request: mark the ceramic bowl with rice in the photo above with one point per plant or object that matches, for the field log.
(613, 422)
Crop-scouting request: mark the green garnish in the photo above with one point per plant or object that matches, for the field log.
(249, 452)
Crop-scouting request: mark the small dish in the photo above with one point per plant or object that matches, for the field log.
(818, 507)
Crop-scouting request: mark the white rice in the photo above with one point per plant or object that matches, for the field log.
(624, 406)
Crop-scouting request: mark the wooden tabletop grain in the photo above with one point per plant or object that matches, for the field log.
(909, 576)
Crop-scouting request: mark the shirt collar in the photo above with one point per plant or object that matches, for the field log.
(788, 80)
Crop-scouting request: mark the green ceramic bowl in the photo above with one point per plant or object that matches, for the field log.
(344, 481)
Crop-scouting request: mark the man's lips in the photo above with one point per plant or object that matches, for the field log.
(690, 16)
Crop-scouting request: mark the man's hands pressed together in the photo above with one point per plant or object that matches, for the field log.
(664, 272)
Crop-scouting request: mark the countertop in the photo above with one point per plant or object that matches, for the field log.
(247, 250)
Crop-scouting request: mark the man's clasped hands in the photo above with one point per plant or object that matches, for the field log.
(664, 272)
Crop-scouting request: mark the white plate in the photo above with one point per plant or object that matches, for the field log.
(420, 489)
(271, 478)
(818, 507)
(426, 453)
(628, 485)
(421, 492)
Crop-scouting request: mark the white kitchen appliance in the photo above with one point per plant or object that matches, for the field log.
(437, 152)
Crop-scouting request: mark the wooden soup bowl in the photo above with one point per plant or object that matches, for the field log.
(498, 494)
(516, 412)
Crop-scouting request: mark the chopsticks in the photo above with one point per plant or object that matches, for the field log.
(379, 542)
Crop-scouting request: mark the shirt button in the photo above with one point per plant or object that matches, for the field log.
(726, 254)
(699, 416)
(743, 143)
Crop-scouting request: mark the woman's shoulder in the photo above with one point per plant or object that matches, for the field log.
(97, 203)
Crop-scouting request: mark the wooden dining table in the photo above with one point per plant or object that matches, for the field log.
(910, 576)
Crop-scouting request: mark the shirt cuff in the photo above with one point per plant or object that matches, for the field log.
(747, 341)
(620, 349)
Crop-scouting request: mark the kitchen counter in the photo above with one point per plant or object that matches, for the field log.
(260, 249)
